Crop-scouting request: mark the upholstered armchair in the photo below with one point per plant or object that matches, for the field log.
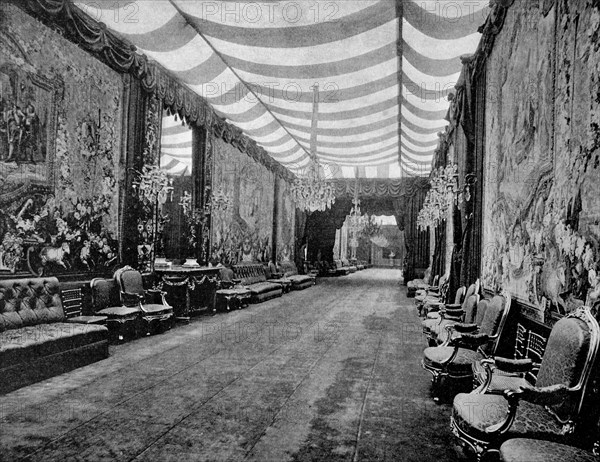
(106, 301)
(434, 327)
(470, 343)
(435, 309)
(550, 410)
(434, 296)
(461, 295)
(154, 309)
(499, 374)
(444, 328)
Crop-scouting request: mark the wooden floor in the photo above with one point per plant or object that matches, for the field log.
(329, 373)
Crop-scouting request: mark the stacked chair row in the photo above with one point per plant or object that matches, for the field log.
(516, 409)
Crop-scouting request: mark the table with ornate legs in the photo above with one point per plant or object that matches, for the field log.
(199, 283)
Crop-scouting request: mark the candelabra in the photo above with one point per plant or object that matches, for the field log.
(152, 185)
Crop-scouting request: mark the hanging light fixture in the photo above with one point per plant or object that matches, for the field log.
(312, 192)
(356, 220)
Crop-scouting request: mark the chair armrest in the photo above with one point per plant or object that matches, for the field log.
(453, 314)
(156, 293)
(518, 366)
(511, 366)
(542, 396)
(470, 341)
(545, 396)
(276, 275)
(465, 328)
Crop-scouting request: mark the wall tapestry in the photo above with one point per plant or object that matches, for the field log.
(541, 191)
(59, 153)
(286, 222)
(241, 230)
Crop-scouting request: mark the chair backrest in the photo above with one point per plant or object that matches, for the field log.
(105, 294)
(470, 308)
(436, 279)
(226, 274)
(569, 356)
(480, 311)
(130, 280)
(458, 298)
(494, 320)
(470, 291)
(72, 300)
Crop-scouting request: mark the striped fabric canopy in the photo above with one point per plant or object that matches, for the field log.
(383, 97)
(175, 147)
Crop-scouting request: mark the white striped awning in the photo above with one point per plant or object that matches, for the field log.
(383, 97)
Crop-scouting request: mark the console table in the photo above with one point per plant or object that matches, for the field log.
(199, 284)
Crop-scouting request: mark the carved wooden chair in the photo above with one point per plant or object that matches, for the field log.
(435, 327)
(432, 297)
(122, 321)
(156, 313)
(550, 410)
(453, 360)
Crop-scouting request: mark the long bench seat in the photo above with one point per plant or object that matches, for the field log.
(299, 281)
(253, 277)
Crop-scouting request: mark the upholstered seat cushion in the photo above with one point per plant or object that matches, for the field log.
(87, 319)
(33, 342)
(473, 413)
(461, 365)
(263, 287)
(117, 312)
(156, 308)
(300, 279)
(530, 450)
(283, 282)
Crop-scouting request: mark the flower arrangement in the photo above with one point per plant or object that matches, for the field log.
(152, 184)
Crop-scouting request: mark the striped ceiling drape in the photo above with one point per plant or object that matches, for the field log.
(384, 70)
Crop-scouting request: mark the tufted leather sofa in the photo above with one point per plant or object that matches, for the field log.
(36, 342)
(254, 278)
(299, 281)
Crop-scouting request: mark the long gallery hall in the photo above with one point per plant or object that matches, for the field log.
(332, 374)
(314, 230)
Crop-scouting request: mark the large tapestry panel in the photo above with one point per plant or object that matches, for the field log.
(59, 152)
(541, 200)
(286, 222)
(243, 230)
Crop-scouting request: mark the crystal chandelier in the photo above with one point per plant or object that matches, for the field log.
(312, 192)
(444, 193)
